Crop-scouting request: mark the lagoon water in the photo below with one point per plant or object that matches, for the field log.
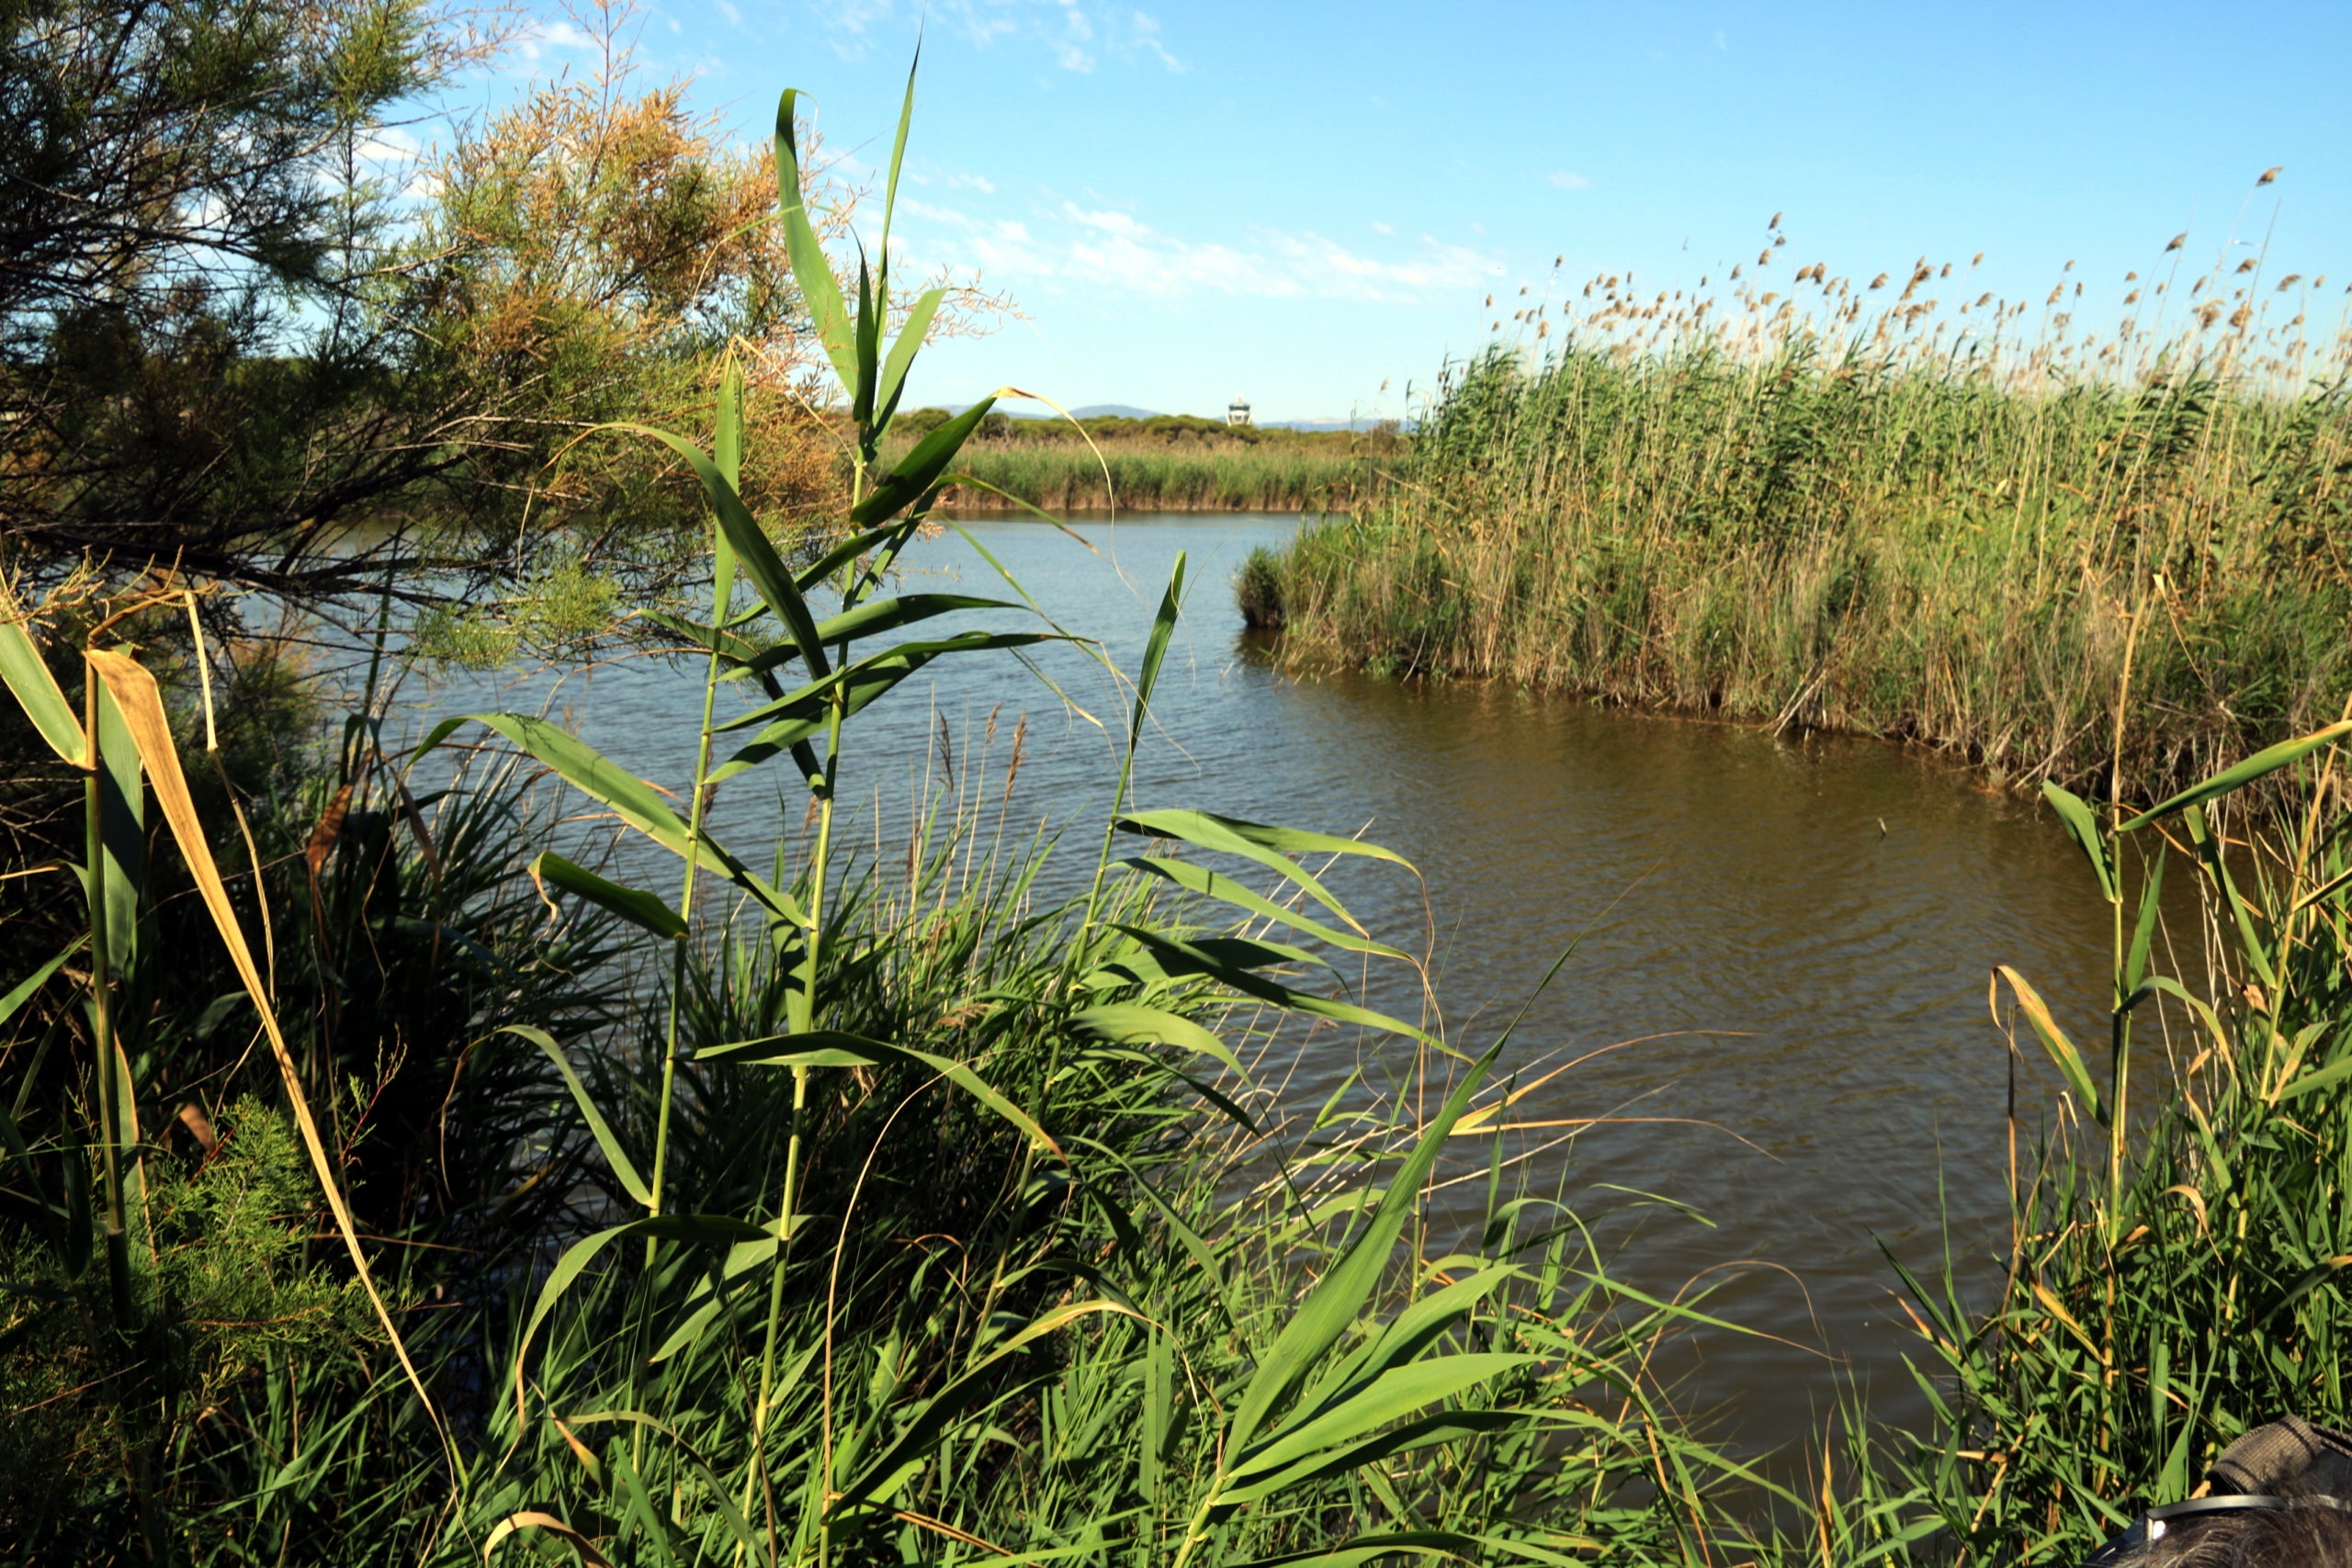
(1787, 940)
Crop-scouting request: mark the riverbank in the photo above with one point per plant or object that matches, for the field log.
(1169, 463)
(1895, 539)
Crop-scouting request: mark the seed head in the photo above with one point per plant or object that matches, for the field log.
(1776, 216)
(1879, 282)
(2290, 281)
(2177, 241)
(2248, 264)
(2272, 172)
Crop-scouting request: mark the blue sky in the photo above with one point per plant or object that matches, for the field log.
(1307, 203)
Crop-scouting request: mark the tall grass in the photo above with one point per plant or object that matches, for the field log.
(1154, 477)
(2176, 1278)
(904, 1220)
(1964, 524)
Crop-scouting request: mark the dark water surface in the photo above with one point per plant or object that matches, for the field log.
(1797, 933)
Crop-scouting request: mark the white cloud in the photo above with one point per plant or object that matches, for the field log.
(1105, 247)
(734, 18)
(535, 43)
(1380, 227)
(1721, 45)
(1567, 180)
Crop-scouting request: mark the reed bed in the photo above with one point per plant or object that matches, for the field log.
(1145, 475)
(1946, 518)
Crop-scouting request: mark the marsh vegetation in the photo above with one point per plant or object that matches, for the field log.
(1931, 514)
(390, 1179)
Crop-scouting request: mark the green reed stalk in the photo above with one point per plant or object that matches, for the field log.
(110, 1117)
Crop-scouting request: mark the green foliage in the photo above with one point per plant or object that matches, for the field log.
(223, 1284)
(243, 348)
(2175, 1278)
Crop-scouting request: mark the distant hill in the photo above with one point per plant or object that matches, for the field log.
(1112, 410)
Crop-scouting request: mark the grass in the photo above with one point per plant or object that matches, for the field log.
(793, 1216)
(1168, 464)
(409, 1192)
(2174, 1277)
(1965, 526)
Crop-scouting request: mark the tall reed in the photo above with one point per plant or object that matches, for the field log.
(2174, 1277)
(904, 1223)
(1154, 476)
(1954, 521)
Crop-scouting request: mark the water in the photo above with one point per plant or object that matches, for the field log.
(1795, 934)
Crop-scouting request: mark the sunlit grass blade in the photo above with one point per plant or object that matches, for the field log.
(2062, 1052)
(2083, 828)
(614, 1154)
(36, 690)
(819, 290)
(2260, 765)
(1209, 883)
(833, 1048)
(642, 910)
(633, 800)
(1341, 1294)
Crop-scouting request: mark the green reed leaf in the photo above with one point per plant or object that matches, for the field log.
(614, 1154)
(22, 992)
(36, 690)
(808, 708)
(910, 342)
(1393, 1394)
(1269, 846)
(2054, 1041)
(1163, 627)
(630, 798)
(1443, 1428)
(2144, 932)
(833, 1048)
(642, 910)
(1341, 1296)
(1125, 1023)
(2083, 828)
(742, 531)
(921, 467)
(1226, 961)
(819, 291)
(1209, 883)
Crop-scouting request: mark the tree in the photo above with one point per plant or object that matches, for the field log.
(241, 339)
(187, 222)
